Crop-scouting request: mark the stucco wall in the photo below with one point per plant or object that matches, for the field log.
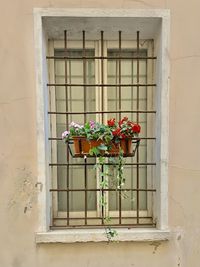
(18, 193)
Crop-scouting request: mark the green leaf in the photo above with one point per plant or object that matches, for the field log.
(103, 147)
(104, 184)
(94, 151)
(87, 125)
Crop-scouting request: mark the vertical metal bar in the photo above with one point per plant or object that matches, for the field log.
(102, 76)
(132, 108)
(67, 120)
(70, 106)
(120, 93)
(120, 105)
(85, 118)
(102, 118)
(84, 76)
(137, 119)
(116, 92)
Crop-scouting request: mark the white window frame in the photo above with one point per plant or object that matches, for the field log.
(162, 18)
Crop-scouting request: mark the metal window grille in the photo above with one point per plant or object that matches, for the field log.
(62, 217)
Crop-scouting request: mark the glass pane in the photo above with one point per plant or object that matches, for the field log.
(74, 103)
(129, 102)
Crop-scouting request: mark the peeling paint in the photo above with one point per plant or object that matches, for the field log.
(25, 192)
(39, 185)
(179, 262)
(179, 237)
(155, 245)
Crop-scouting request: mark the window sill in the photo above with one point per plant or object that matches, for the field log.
(98, 235)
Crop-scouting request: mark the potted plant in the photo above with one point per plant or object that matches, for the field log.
(113, 139)
(94, 138)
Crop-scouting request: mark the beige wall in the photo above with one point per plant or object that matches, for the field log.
(18, 194)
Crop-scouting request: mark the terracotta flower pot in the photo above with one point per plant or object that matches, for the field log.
(82, 146)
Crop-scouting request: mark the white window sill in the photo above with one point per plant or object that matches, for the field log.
(98, 235)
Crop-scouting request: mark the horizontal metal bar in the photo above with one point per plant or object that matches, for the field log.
(60, 138)
(104, 189)
(141, 138)
(99, 218)
(103, 112)
(102, 85)
(100, 57)
(104, 226)
(91, 164)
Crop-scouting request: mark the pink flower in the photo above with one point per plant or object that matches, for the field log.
(65, 134)
(92, 124)
(75, 125)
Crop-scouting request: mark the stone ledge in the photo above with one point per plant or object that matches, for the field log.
(98, 235)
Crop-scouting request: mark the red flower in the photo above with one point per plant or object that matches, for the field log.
(111, 122)
(122, 135)
(123, 120)
(116, 132)
(136, 128)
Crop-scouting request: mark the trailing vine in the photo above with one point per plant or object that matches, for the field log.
(113, 137)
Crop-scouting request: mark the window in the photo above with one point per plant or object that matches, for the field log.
(49, 24)
(86, 78)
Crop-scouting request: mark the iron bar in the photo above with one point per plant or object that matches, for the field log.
(91, 164)
(132, 107)
(99, 189)
(98, 218)
(120, 92)
(101, 112)
(100, 57)
(137, 120)
(102, 77)
(100, 85)
(102, 117)
(120, 106)
(85, 118)
(141, 138)
(94, 226)
(67, 120)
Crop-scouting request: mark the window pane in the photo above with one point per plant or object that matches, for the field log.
(129, 102)
(75, 103)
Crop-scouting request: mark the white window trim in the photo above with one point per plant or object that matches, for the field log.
(162, 232)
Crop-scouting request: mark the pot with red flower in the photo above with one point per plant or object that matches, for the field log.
(108, 139)
(101, 140)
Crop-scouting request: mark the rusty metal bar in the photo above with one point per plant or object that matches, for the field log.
(101, 112)
(93, 226)
(102, 117)
(85, 118)
(132, 107)
(102, 77)
(90, 164)
(120, 106)
(137, 120)
(101, 85)
(98, 218)
(141, 138)
(67, 120)
(99, 189)
(120, 92)
(96, 57)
